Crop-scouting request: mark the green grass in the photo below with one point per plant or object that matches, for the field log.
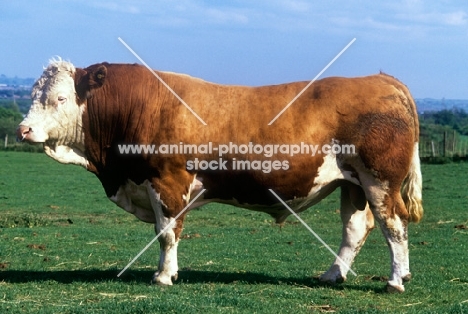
(62, 243)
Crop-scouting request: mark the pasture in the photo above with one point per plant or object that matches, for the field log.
(62, 244)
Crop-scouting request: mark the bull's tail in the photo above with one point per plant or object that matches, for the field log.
(411, 189)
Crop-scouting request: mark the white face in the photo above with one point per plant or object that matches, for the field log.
(54, 116)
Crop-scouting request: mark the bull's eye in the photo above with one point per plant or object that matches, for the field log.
(61, 99)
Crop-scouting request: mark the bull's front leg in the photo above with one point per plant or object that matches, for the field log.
(168, 266)
(168, 241)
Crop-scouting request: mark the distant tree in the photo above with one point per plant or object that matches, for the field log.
(7, 93)
(460, 113)
(9, 120)
(11, 105)
(444, 117)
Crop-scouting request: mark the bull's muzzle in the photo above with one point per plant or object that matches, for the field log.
(23, 132)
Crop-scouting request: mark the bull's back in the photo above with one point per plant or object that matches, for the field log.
(324, 110)
(135, 101)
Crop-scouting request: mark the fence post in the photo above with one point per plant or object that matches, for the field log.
(6, 141)
(453, 144)
(444, 144)
(433, 149)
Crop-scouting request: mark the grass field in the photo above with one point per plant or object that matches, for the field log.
(62, 243)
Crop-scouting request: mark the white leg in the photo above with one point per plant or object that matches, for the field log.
(389, 210)
(357, 224)
(168, 267)
(395, 232)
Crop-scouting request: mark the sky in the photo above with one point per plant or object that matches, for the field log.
(258, 42)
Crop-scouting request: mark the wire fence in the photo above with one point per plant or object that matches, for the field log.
(447, 145)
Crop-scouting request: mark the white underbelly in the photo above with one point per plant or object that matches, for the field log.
(134, 199)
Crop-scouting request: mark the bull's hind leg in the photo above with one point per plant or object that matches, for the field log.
(168, 241)
(389, 210)
(357, 224)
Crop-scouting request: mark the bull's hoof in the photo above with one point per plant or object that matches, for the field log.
(159, 282)
(340, 279)
(333, 276)
(406, 278)
(332, 279)
(159, 279)
(393, 288)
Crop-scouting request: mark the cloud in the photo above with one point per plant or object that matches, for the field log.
(116, 6)
(456, 18)
(365, 23)
(297, 6)
(226, 16)
(189, 13)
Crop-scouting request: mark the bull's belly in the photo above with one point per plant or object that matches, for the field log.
(329, 177)
(135, 198)
(278, 210)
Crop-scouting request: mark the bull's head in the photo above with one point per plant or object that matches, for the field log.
(58, 104)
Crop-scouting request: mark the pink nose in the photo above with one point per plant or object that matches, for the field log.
(23, 132)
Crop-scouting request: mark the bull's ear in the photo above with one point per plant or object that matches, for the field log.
(88, 79)
(97, 77)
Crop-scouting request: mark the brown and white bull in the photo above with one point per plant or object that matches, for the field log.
(82, 115)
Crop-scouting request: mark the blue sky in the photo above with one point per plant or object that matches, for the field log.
(422, 43)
